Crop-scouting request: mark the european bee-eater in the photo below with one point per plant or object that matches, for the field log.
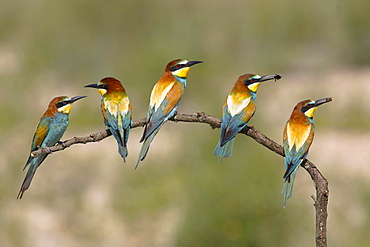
(164, 100)
(297, 138)
(117, 110)
(50, 129)
(238, 109)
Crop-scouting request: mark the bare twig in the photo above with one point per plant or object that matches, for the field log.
(321, 184)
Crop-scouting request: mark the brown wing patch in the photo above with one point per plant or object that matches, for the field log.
(249, 111)
(39, 136)
(161, 89)
(173, 97)
(104, 112)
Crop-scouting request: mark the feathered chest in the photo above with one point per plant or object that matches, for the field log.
(239, 99)
(298, 132)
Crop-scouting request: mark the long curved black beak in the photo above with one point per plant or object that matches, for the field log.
(322, 101)
(270, 77)
(191, 63)
(74, 99)
(92, 85)
(98, 86)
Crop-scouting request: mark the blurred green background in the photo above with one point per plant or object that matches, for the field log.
(179, 196)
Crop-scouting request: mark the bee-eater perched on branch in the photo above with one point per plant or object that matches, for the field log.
(164, 100)
(297, 139)
(50, 129)
(238, 109)
(117, 111)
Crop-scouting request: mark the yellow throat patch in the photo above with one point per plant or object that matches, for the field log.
(65, 109)
(102, 91)
(309, 113)
(254, 86)
(183, 73)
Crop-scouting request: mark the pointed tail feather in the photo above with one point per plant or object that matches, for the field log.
(224, 151)
(122, 150)
(145, 147)
(121, 138)
(148, 124)
(288, 186)
(144, 133)
(26, 182)
(34, 163)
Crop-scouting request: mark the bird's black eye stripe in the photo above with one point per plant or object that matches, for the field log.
(62, 103)
(307, 107)
(304, 109)
(103, 86)
(249, 81)
(176, 67)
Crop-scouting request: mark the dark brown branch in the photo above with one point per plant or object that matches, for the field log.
(321, 184)
(81, 140)
(321, 202)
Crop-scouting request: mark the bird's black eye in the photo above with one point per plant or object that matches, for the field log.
(307, 107)
(103, 86)
(62, 103)
(250, 81)
(176, 67)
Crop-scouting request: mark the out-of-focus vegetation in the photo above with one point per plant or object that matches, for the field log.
(179, 196)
